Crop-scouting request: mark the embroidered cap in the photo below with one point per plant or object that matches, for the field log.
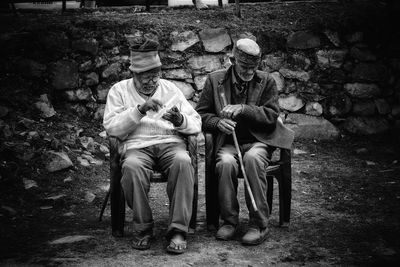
(247, 52)
(145, 56)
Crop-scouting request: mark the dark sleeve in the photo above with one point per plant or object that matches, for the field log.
(264, 115)
(206, 108)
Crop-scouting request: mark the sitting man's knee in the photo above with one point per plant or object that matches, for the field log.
(182, 157)
(226, 159)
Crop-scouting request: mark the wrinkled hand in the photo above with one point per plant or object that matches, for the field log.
(231, 111)
(174, 115)
(226, 126)
(150, 104)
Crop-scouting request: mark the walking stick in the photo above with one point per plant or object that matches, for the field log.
(247, 184)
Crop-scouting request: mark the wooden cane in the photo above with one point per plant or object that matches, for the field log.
(246, 181)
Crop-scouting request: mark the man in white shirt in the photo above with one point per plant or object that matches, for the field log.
(149, 115)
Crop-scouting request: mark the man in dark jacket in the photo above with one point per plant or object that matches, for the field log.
(244, 100)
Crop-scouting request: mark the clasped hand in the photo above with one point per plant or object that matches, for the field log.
(228, 113)
(172, 115)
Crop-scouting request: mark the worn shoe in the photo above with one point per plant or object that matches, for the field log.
(226, 232)
(255, 236)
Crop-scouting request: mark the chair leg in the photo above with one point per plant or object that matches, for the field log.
(193, 219)
(104, 205)
(285, 189)
(270, 191)
(117, 212)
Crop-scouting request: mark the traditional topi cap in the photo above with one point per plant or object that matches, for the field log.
(247, 52)
(145, 56)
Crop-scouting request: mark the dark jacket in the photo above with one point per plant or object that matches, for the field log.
(261, 111)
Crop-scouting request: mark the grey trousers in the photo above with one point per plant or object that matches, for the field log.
(255, 159)
(137, 166)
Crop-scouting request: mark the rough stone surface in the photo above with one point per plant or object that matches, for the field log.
(204, 64)
(303, 40)
(44, 106)
(362, 54)
(382, 106)
(338, 105)
(86, 66)
(355, 37)
(396, 111)
(81, 94)
(279, 80)
(331, 58)
(99, 114)
(200, 81)
(291, 103)
(65, 74)
(292, 74)
(101, 61)
(215, 40)
(186, 88)
(333, 36)
(298, 61)
(182, 41)
(240, 35)
(89, 46)
(112, 71)
(92, 79)
(57, 161)
(177, 74)
(311, 127)
(362, 90)
(366, 125)
(30, 68)
(314, 109)
(370, 72)
(364, 108)
(56, 41)
(102, 91)
(273, 61)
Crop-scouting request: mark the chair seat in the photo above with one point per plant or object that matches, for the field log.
(158, 177)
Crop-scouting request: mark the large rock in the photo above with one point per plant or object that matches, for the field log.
(303, 40)
(337, 105)
(272, 62)
(331, 58)
(314, 109)
(112, 71)
(362, 90)
(81, 94)
(311, 127)
(240, 35)
(200, 81)
(92, 79)
(291, 103)
(364, 108)
(333, 36)
(177, 74)
(44, 106)
(370, 72)
(90, 46)
(204, 64)
(215, 40)
(292, 74)
(328, 76)
(366, 125)
(57, 161)
(102, 92)
(186, 88)
(182, 41)
(298, 61)
(279, 80)
(65, 75)
(382, 106)
(362, 54)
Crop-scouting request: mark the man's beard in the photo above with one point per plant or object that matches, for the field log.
(148, 89)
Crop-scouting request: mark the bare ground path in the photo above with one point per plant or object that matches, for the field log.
(345, 211)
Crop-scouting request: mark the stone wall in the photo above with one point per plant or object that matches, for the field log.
(326, 80)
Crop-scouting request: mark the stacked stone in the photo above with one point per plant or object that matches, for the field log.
(324, 80)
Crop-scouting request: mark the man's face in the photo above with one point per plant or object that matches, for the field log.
(148, 81)
(245, 71)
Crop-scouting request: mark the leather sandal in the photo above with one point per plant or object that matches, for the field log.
(177, 244)
(142, 241)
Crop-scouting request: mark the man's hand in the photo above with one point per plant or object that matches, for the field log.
(231, 111)
(151, 103)
(174, 115)
(226, 126)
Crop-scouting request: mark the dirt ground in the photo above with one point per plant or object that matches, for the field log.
(345, 204)
(345, 211)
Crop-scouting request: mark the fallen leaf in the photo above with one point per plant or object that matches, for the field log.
(70, 239)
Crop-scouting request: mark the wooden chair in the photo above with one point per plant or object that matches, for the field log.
(280, 169)
(117, 195)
